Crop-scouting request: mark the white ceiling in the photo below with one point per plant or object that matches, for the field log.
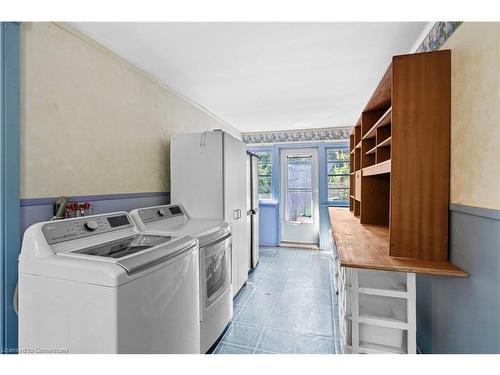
(264, 76)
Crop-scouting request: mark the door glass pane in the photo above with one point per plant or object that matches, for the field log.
(299, 189)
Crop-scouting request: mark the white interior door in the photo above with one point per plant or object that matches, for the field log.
(299, 208)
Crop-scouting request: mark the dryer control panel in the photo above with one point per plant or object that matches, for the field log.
(67, 230)
(161, 212)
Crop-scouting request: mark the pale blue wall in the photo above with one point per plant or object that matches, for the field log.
(269, 212)
(42, 209)
(456, 315)
(268, 223)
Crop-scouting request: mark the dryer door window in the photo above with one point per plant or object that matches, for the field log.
(217, 270)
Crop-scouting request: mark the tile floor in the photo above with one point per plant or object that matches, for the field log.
(286, 306)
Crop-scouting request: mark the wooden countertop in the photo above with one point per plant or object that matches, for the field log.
(367, 246)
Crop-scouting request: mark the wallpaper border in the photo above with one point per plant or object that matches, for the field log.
(286, 136)
(438, 35)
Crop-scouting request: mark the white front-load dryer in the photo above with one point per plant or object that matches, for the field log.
(214, 236)
(97, 285)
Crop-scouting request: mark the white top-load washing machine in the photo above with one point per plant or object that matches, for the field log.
(216, 302)
(97, 285)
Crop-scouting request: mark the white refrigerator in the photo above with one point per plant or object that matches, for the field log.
(208, 174)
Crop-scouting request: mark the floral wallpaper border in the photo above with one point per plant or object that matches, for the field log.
(436, 37)
(327, 134)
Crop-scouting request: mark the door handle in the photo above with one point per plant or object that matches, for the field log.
(239, 214)
(235, 214)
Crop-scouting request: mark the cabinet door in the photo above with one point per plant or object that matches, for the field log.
(196, 174)
(235, 200)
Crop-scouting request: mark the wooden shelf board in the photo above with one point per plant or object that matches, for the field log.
(379, 168)
(385, 142)
(384, 120)
(358, 145)
(367, 246)
(371, 151)
(352, 151)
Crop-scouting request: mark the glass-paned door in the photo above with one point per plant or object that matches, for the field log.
(299, 198)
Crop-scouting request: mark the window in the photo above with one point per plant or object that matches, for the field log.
(337, 160)
(299, 194)
(265, 174)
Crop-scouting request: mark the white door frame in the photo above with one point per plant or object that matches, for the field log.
(313, 237)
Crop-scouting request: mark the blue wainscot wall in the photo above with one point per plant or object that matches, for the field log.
(42, 209)
(456, 315)
(269, 228)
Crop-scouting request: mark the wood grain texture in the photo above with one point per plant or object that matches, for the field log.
(380, 168)
(420, 155)
(367, 246)
(381, 97)
(385, 120)
(357, 185)
(375, 211)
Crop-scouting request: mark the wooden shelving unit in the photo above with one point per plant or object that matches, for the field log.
(400, 159)
(399, 196)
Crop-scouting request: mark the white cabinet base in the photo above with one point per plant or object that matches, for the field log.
(376, 310)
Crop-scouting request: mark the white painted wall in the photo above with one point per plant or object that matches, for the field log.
(92, 123)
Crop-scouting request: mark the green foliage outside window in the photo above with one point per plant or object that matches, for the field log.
(265, 174)
(338, 175)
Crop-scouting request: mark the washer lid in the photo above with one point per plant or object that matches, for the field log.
(138, 252)
(113, 263)
(206, 230)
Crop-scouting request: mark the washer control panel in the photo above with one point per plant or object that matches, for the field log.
(162, 212)
(67, 230)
